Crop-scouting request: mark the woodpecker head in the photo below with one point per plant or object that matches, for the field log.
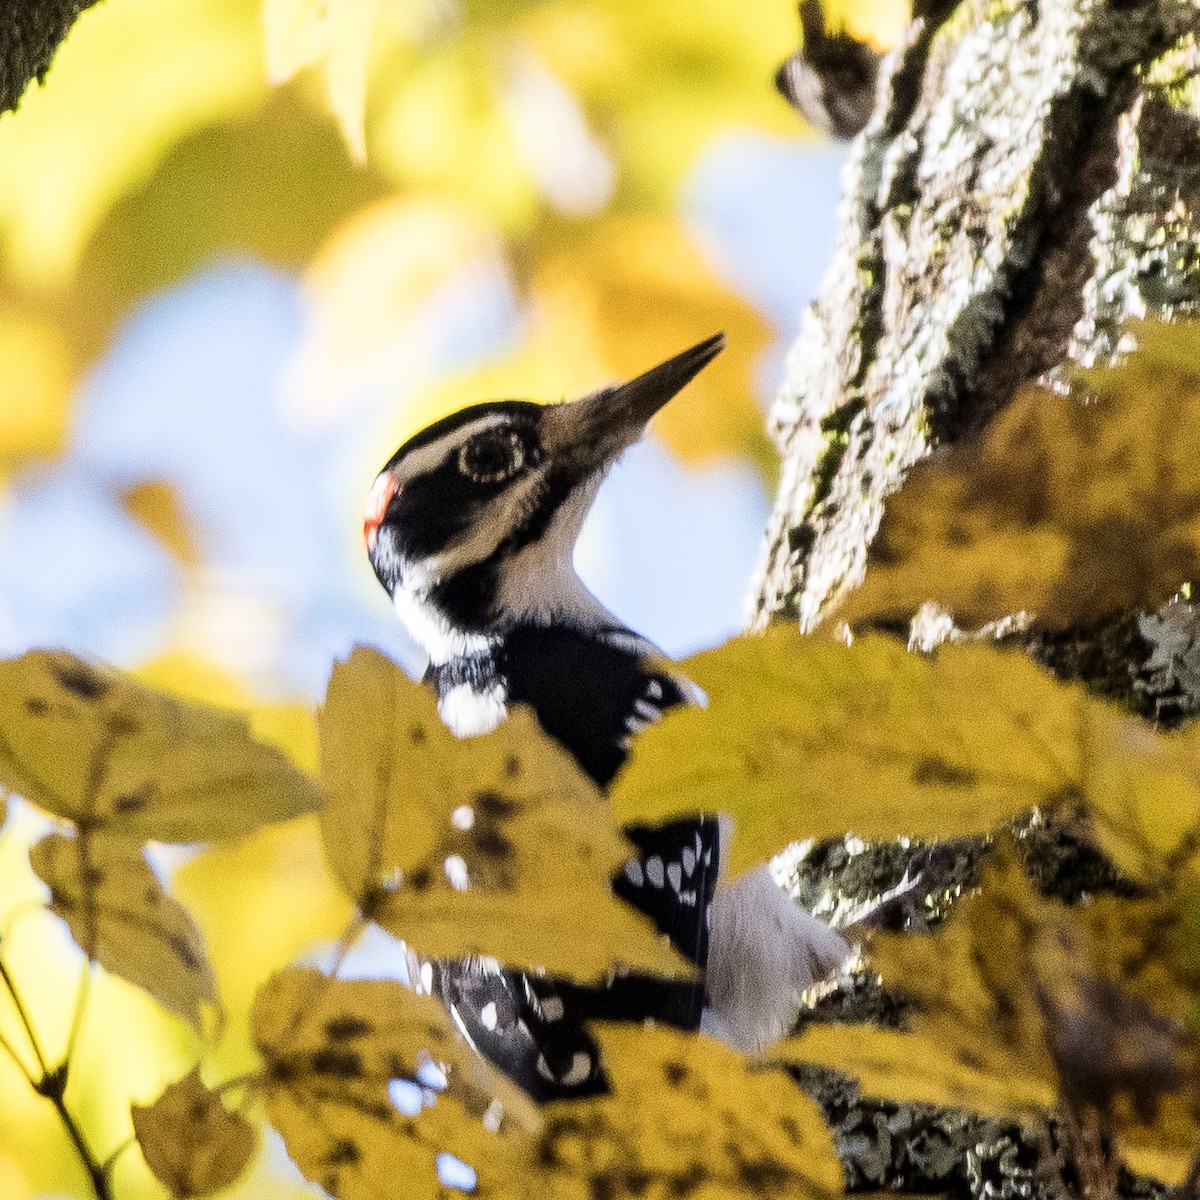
(471, 525)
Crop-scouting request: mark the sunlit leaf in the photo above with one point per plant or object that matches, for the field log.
(1070, 507)
(121, 918)
(688, 1116)
(366, 290)
(292, 726)
(497, 844)
(641, 289)
(130, 81)
(35, 387)
(918, 1069)
(1144, 793)
(91, 744)
(154, 504)
(1022, 1002)
(336, 33)
(445, 131)
(618, 302)
(334, 1053)
(194, 1145)
(805, 738)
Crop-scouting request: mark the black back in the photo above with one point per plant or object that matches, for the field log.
(591, 692)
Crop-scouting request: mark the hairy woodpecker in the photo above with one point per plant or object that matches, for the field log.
(471, 528)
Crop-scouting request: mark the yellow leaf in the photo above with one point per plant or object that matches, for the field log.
(337, 33)
(333, 1051)
(292, 727)
(131, 80)
(806, 738)
(609, 307)
(688, 1116)
(121, 918)
(91, 744)
(1022, 1003)
(1068, 507)
(637, 290)
(1144, 793)
(445, 132)
(365, 288)
(918, 1069)
(153, 504)
(35, 368)
(496, 844)
(191, 1142)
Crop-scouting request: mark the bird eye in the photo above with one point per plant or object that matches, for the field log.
(492, 456)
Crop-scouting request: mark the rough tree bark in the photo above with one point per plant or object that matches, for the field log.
(1029, 177)
(30, 31)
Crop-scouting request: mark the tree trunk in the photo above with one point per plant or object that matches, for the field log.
(1029, 177)
(30, 32)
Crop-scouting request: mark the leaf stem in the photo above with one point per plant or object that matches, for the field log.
(53, 1085)
(97, 1172)
(81, 999)
(346, 942)
(23, 1013)
(111, 1161)
(7, 1046)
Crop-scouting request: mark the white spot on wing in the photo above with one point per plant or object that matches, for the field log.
(633, 872)
(579, 1070)
(654, 871)
(468, 712)
(675, 876)
(455, 867)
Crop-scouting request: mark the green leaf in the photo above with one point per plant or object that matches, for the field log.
(120, 917)
(191, 1142)
(496, 845)
(92, 745)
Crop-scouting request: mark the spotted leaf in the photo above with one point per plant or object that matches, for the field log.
(688, 1117)
(1072, 505)
(807, 738)
(193, 1144)
(93, 745)
(341, 1063)
(120, 917)
(496, 844)
(1020, 1003)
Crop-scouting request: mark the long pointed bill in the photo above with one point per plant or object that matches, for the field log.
(591, 432)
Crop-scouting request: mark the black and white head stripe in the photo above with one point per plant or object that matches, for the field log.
(472, 524)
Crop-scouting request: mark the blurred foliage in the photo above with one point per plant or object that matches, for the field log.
(560, 132)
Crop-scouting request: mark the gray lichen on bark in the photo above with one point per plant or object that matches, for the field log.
(30, 33)
(989, 206)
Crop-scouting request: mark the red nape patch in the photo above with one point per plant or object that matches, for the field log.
(378, 500)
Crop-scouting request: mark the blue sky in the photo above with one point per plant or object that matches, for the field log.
(190, 393)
